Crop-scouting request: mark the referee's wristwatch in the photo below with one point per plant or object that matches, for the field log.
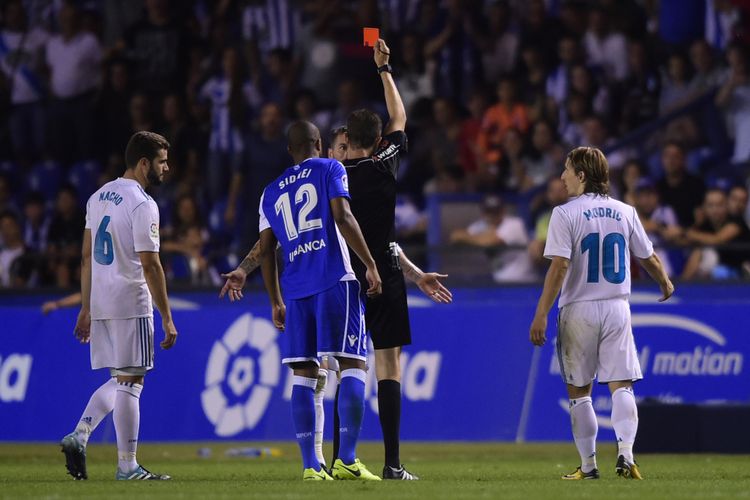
(386, 68)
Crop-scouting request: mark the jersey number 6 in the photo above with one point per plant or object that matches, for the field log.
(104, 252)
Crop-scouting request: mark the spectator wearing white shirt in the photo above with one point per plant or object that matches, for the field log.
(734, 96)
(504, 237)
(605, 48)
(21, 64)
(74, 59)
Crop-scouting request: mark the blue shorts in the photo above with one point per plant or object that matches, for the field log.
(330, 323)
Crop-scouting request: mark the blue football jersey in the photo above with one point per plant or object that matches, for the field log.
(296, 207)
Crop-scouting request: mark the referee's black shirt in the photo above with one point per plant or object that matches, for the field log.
(372, 187)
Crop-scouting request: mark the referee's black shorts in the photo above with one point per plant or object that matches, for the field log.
(387, 316)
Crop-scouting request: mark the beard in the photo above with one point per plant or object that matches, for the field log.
(153, 177)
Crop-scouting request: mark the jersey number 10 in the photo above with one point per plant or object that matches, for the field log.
(306, 194)
(104, 252)
(613, 242)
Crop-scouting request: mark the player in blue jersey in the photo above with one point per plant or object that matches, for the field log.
(306, 212)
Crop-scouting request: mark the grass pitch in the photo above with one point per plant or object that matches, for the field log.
(455, 470)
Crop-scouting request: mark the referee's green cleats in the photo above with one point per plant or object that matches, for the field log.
(352, 472)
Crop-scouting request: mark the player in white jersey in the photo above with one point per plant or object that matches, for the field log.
(589, 242)
(120, 275)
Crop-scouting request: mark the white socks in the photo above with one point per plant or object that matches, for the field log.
(585, 427)
(320, 417)
(625, 421)
(102, 402)
(127, 417)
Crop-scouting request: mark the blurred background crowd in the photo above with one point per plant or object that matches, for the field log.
(496, 92)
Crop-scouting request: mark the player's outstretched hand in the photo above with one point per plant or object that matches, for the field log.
(538, 330)
(431, 286)
(170, 334)
(376, 285)
(82, 330)
(233, 285)
(382, 53)
(667, 289)
(278, 313)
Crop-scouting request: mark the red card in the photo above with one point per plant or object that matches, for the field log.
(370, 36)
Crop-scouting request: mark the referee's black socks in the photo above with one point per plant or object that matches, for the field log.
(389, 409)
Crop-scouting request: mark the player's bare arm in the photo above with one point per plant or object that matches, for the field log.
(235, 280)
(83, 324)
(267, 254)
(552, 284)
(427, 282)
(352, 234)
(393, 102)
(655, 269)
(157, 285)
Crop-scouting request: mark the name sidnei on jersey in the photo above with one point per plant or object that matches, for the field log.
(291, 179)
(601, 212)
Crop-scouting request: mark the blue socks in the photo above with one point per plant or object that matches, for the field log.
(351, 408)
(303, 414)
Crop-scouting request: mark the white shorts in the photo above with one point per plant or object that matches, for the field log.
(595, 340)
(123, 343)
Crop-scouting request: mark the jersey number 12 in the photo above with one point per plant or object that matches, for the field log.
(308, 196)
(613, 242)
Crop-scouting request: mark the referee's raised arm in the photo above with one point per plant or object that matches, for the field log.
(396, 110)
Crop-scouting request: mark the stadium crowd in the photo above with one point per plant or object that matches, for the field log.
(496, 93)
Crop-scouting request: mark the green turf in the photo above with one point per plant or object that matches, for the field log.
(460, 470)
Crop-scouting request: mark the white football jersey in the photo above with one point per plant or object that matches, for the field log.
(123, 220)
(597, 234)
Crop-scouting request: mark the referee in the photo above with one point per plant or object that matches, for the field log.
(371, 165)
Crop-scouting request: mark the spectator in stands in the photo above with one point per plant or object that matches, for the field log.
(278, 82)
(734, 96)
(675, 86)
(640, 90)
(596, 134)
(707, 74)
(14, 269)
(659, 221)
(678, 189)
(113, 125)
(158, 46)
(718, 230)
(185, 148)
(65, 237)
(186, 238)
(738, 203)
(571, 119)
(508, 113)
(21, 82)
(555, 195)
(36, 223)
(452, 43)
(540, 29)
(266, 26)
(546, 155)
(511, 174)
(632, 173)
(232, 97)
(266, 156)
(597, 96)
(504, 237)
(414, 74)
(141, 118)
(500, 44)
(605, 48)
(470, 155)
(74, 59)
(6, 196)
(533, 85)
(558, 81)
